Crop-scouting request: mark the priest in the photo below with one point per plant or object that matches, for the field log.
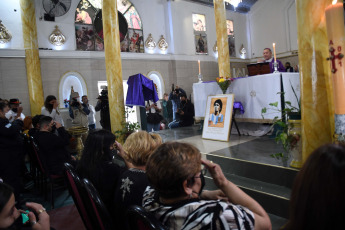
(268, 58)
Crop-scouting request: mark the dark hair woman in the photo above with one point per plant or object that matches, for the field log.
(10, 216)
(318, 195)
(97, 166)
(51, 109)
(174, 170)
(11, 145)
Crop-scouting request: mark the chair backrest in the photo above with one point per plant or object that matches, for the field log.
(35, 154)
(75, 187)
(138, 218)
(96, 208)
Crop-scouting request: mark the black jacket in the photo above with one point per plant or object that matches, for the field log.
(52, 150)
(187, 119)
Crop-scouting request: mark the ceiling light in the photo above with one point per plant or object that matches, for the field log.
(234, 2)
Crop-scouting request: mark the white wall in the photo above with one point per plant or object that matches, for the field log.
(10, 14)
(273, 21)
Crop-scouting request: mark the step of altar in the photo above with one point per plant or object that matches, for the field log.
(269, 185)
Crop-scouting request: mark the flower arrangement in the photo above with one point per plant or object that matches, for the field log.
(224, 83)
(66, 102)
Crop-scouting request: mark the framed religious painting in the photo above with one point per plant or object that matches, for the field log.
(231, 37)
(218, 117)
(135, 41)
(199, 22)
(85, 37)
(200, 43)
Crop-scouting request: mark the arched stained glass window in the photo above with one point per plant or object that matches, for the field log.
(89, 26)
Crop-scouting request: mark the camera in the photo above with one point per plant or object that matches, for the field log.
(104, 95)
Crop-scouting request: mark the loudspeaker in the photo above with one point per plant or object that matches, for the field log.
(49, 18)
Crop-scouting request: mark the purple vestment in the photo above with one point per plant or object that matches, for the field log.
(280, 66)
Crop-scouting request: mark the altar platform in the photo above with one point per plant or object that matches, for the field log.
(246, 161)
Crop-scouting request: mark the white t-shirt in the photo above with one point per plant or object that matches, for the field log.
(56, 116)
(10, 115)
(91, 116)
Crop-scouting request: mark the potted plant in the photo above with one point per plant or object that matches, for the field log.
(127, 127)
(288, 130)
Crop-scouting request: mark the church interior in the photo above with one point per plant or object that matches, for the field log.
(47, 47)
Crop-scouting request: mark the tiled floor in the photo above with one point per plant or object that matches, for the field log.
(256, 149)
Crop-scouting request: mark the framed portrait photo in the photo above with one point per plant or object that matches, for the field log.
(218, 117)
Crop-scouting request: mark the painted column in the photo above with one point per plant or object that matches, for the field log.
(222, 39)
(113, 63)
(32, 61)
(316, 87)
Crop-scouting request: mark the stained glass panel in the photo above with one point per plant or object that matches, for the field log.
(133, 19)
(123, 5)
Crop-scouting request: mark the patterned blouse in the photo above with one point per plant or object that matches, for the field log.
(199, 214)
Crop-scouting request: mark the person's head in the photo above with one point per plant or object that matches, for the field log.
(218, 105)
(173, 169)
(36, 120)
(14, 104)
(140, 145)
(318, 194)
(267, 53)
(27, 123)
(98, 146)
(3, 108)
(166, 96)
(8, 212)
(287, 65)
(84, 99)
(49, 102)
(183, 97)
(46, 123)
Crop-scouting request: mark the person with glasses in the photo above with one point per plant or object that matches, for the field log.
(178, 200)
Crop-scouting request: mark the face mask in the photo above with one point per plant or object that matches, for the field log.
(15, 110)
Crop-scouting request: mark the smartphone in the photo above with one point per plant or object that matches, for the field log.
(25, 216)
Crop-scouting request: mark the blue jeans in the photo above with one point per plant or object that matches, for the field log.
(93, 126)
(155, 127)
(174, 124)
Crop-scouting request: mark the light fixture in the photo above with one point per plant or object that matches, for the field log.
(162, 43)
(234, 2)
(150, 42)
(56, 37)
(5, 36)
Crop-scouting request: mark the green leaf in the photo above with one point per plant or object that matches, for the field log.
(275, 104)
(264, 110)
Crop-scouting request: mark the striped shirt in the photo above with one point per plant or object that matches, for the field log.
(199, 214)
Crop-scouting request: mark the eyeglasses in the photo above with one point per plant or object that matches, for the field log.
(203, 171)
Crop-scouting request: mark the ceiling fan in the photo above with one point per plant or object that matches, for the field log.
(56, 8)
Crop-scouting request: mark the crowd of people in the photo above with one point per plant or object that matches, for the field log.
(167, 179)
